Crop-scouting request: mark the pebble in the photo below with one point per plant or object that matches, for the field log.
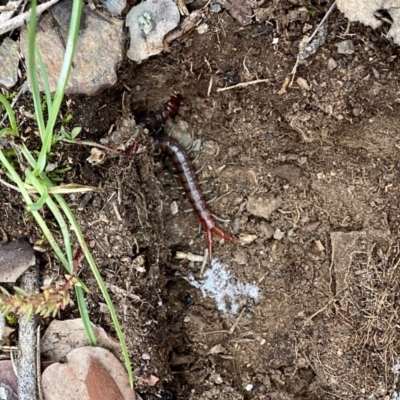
(293, 174)
(114, 7)
(376, 73)
(249, 387)
(148, 23)
(146, 356)
(174, 208)
(278, 234)
(303, 83)
(263, 207)
(345, 47)
(332, 64)
(9, 60)
(267, 229)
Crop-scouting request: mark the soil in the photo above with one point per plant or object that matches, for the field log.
(324, 259)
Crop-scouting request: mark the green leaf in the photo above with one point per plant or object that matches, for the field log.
(75, 132)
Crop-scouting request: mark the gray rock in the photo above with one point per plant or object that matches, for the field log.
(279, 235)
(263, 207)
(114, 7)
(364, 12)
(9, 60)
(15, 258)
(293, 174)
(267, 229)
(148, 23)
(332, 64)
(345, 47)
(98, 51)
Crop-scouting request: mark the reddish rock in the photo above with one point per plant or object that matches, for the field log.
(89, 373)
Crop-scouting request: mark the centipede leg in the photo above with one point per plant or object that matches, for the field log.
(133, 149)
(209, 243)
(223, 234)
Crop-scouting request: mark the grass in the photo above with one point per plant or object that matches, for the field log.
(35, 186)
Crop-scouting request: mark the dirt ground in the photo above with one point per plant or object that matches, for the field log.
(322, 321)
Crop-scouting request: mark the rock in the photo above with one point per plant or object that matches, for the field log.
(332, 64)
(345, 47)
(9, 59)
(148, 23)
(364, 12)
(61, 337)
(267, 229)
(263, 207)
(15, 258)
(114, 7)
(279, 235)
(99, 49)
(293, 174)
(8, 381)
(89, 373)
(241, 12)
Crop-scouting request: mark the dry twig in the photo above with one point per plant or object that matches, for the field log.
(23, 18)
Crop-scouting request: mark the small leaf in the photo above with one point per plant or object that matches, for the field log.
(75, 132)
(20, 291)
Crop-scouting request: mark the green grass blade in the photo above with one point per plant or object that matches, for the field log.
(40, 221)
(32, 70)
(11, 117)
(62, 82)
(45, 79)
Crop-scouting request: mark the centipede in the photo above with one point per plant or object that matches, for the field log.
(183, 166)
(155, 119)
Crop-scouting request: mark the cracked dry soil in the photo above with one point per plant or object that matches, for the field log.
(325, 324)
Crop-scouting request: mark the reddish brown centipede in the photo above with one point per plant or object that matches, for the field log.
(155, 119)
(187, 177)
(184, 168)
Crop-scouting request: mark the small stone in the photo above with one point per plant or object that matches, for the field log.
(174, 208)
(15, 258)
(247, 239)
(114, 7)
(263, 207)
(249, 387)
(186, 319)
(215, 6)
(267, 229)
(332, 64)
(146, 356)
(376, 73)
(346, 47)
(321, 176)
(148, 23)
(196, 145)
(9, 60)
(278, 234)
(101, 377)
(293, 174)
(303, 83)
(56, 342)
